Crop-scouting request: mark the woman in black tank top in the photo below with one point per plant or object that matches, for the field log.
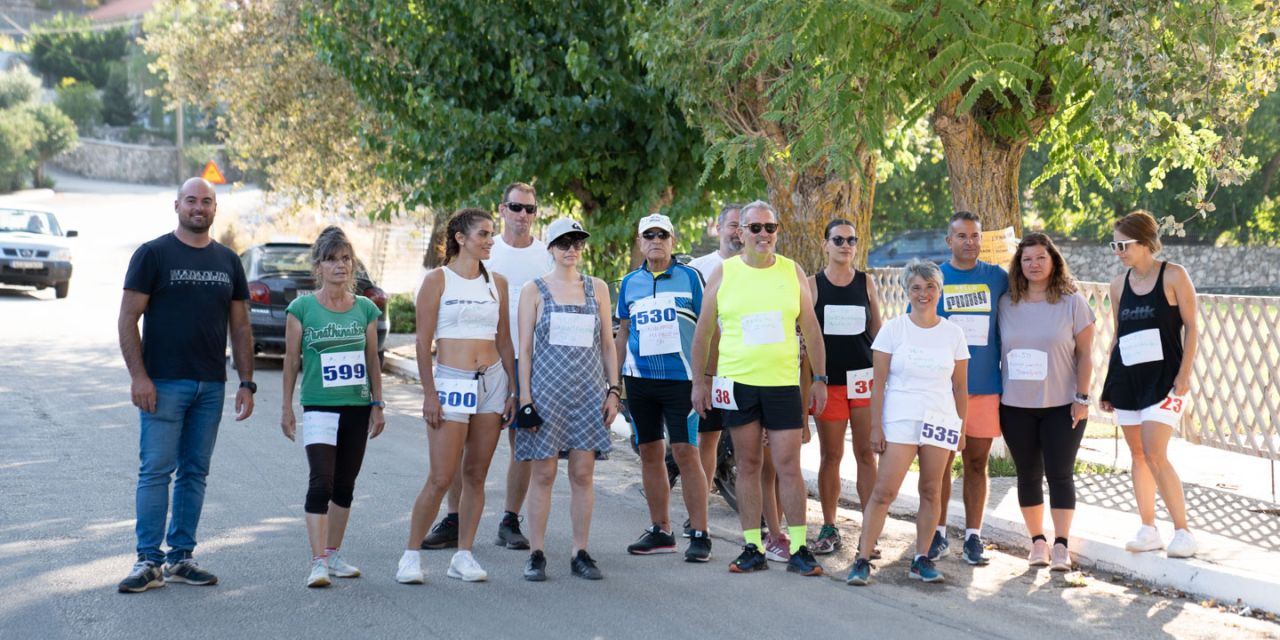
(1149, 375)
(849, 314)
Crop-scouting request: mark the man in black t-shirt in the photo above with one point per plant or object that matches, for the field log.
(187, 288)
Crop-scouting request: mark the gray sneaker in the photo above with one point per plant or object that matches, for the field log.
(509, 534)
(187, 571)
(144, 575)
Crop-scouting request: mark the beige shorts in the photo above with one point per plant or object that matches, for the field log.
(491, 389)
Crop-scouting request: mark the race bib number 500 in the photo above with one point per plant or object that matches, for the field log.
(344, 369)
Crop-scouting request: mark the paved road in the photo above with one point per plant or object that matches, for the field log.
(67, 471)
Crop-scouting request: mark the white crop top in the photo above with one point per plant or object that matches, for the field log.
(469, 309)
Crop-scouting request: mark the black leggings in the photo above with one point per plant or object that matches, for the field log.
(334, 468)
(1043, 445)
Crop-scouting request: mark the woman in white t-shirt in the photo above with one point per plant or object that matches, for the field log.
(918, 402)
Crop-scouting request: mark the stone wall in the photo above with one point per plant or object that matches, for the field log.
(133, 163)
(1239, 270)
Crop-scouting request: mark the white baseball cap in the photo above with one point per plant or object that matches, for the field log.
(564, 227)
(656, 220)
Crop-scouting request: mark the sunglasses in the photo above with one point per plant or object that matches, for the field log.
(840, 241)
(565, 244)
(516, 207)
(1121, 246)
(767, 227)
(660, 234)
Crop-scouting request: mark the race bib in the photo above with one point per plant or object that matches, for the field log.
(458, 395)
(975, 328)
(319, 427)
(342, 369)
(844, 319)
(573, 329)
(859, 383)
(655, 320)
(1168, 411)
(941, 430)
(762, 328)
(1028, 364)
(966, 298)
(1141, 346)
(722, 394)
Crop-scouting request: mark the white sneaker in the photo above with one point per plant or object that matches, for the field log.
(1060, 558)
(410, 571)
(319, 574)
(1039, 556)
(465, 568)
(339, 568)
(1147, 539)
(1182, 545)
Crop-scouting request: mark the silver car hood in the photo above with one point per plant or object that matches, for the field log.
(28, 240)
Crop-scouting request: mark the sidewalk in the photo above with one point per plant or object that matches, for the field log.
(1228, 496)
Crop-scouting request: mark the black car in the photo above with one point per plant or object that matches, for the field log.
(278, 272)
(930, 245)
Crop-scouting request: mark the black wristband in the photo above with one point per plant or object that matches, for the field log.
(250, 385)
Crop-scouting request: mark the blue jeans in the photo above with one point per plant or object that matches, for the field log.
(179, 436)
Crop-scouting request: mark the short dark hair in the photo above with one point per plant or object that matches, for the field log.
(518, 186)
(966, 215)
(725, 209)
(826, 235)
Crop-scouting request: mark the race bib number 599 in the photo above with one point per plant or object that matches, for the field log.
(344, 369)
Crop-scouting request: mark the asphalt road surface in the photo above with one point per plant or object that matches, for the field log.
(68, 464)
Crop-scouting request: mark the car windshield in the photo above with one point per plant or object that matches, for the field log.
(286, 260)
(14, 220)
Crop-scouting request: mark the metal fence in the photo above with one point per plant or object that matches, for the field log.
(1235, 394)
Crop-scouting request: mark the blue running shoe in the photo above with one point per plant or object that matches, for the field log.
(939, 547)
(803, 563)
(750, 560)
(922, 569)
(972, 551)
(860, 574)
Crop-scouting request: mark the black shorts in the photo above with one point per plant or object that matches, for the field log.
(776, 408)
(655, 402)
(713, 423)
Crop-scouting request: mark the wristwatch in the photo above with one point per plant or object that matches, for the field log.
(250, 385)
(822, 379)
(378, 403)
(1082, 399)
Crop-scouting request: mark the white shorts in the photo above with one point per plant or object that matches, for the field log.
(903, 432)
(1168, 411)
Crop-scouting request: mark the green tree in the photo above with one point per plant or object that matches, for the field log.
(17, 87)
(18, 129)
(277, 106)
(57, 133)
(118, 107)
(476, 95)
(68, 46)
(80, 101)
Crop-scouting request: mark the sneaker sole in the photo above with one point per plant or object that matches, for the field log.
(335, 574)
(181, 580)
(1059, 567)
(858, 582)
(812, 573)
(1181, 555)
(733, 568)
(536, 577)
(154, 584)
(689, 558)
(316, 584)
(775, 558)
(586, 577)
(916, 576)
(650, 552)
(458, 576)
(942, 554)
(413, 580)
(980, 562)
(432, 546)
(1037, 563)
(1133, 548)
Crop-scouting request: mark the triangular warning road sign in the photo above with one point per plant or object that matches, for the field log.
(212, 174)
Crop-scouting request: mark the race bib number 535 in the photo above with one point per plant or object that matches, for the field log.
(941, 430)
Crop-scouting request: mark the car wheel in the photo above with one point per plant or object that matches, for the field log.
(60, 289)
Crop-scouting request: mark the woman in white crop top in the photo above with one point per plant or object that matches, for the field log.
(469, 394)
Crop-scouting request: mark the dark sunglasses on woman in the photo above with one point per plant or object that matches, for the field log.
(840, 241)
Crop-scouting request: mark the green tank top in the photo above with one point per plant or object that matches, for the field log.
(758, 310)
(334, 371)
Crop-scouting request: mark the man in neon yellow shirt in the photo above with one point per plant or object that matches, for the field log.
(757, 298)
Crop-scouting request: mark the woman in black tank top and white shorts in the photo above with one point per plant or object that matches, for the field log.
(1149, 377)
(848, 310)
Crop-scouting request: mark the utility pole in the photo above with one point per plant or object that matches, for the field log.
(179, 123)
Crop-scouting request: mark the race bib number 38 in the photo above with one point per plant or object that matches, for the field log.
(941, 430)
(722, 394)
(343, 369)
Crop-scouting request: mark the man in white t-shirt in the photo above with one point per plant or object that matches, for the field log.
(520, 257)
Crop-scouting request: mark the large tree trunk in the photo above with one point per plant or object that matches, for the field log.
(434, 254)
(808, 200)
(983, 167)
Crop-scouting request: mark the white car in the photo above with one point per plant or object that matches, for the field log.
(34, 250)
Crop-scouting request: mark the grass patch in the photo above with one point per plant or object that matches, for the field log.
(1004, 468)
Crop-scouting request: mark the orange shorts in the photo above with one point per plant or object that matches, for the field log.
(839, 404)
(983, 420)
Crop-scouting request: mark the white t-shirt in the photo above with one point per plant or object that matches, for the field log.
(518, 266)
(921, 367)
(705, 264)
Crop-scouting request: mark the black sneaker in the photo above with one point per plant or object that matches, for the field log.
(699, 547)
(688, 528)
(653, 540)
(584, 566)
(535, 570)
(444, 535)
(509, 535)
(189, 572)
(750, 560)
(144, 575)
(803, 563)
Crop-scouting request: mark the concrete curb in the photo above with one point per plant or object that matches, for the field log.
(27, 195)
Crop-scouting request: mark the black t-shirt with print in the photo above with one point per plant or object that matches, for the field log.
(184, 328)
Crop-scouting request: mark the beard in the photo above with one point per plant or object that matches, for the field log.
(186, 223)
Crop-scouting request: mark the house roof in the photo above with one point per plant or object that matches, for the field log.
(121, 9)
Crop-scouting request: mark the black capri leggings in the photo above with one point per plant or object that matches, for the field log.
(1043, 445)
(334, 468)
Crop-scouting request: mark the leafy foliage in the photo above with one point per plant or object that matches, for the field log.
(18, 87)
(30, 133)
(472, 96)
(118, 107)
(67, 46)
(80, 101)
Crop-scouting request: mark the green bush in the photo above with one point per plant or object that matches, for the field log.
(80, 101)
(17, 87)
(118, 107)
(401, 308)
(18, 135)
(67, 46)
(57, 134)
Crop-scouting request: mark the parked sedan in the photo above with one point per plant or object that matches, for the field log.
(278, 272)
(34, 251)
(930, 245)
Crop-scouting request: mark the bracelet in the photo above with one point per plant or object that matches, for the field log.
(614, 391)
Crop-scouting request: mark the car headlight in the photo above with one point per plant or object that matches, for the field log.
(60, 254)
